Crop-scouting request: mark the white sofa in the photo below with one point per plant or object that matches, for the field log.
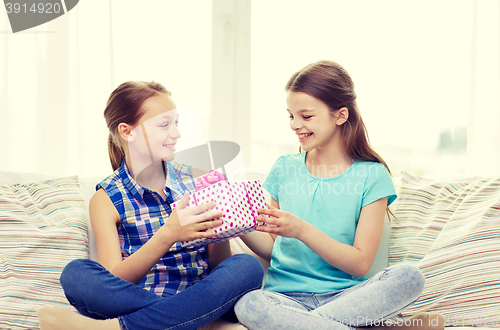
(29, 299)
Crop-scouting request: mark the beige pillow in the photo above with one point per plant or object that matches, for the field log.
(42, 227)
(451, 231)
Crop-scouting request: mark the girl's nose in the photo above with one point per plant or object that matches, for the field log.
(294, 124)
(175, 133)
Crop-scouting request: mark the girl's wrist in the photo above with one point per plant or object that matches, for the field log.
(304, 231)
(165, 237)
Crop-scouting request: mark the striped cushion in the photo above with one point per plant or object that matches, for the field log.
(42, 227)
(451, 231)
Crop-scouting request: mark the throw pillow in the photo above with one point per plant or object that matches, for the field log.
(451, 231)
(42, 227)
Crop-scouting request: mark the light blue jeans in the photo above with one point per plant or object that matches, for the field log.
(379, 298)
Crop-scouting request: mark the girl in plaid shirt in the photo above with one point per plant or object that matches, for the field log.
(144, 278)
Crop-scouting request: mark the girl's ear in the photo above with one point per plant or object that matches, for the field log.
(342, 116)
(125, 132)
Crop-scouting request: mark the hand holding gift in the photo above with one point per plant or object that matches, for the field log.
(194, 214)
(199, 225)
(238, 201)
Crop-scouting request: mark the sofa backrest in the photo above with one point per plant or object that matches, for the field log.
(88, 189)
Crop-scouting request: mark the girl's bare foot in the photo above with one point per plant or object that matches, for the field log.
(62, 318)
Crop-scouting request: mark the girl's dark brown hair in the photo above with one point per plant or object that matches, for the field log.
(330, 83)
(125, 106)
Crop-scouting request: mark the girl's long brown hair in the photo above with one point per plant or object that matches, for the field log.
(330, 83)
(125, 106)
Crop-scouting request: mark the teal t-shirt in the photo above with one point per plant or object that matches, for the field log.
(332, 205)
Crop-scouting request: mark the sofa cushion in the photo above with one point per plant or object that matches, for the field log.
(450, 230)
(43, 227)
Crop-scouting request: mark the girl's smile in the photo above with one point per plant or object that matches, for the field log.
(170, 147)
(304, 136)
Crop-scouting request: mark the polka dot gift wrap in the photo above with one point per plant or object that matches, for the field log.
(238, 200)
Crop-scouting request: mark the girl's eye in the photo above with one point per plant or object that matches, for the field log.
(305, 117)
(165, 125)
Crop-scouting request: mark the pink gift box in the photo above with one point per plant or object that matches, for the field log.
(238, 200)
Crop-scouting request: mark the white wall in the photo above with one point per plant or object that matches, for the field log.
(420, 68)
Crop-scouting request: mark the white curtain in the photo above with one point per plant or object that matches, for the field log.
(57, 77)
(484, 117)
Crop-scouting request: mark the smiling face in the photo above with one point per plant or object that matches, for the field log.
(313, 122)
(156, 134)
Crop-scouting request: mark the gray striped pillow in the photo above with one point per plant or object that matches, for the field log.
(42, 227)
(451, 231)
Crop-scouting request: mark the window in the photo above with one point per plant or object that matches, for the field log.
(410, 62)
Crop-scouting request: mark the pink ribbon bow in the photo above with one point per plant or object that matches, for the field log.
(209, 179)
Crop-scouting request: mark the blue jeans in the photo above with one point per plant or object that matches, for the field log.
(97, 293)
(368, 303)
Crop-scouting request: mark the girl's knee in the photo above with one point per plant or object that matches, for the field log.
(250, 267)
(247, 306)
(74, 271)
(248, 260)
(253, 263)
(413, 273)
(71, 270)
(260, 309)
(411, 276)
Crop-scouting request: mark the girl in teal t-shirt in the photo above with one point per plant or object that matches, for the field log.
(327, 210)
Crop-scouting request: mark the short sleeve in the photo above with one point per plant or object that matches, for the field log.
(378, 185)
(272, 182)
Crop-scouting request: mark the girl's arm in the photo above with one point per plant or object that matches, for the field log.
(355, 260)
(105, 219)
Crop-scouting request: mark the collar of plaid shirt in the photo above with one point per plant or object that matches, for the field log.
(171, 182)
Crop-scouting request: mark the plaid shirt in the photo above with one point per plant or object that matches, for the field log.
(142, 213)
